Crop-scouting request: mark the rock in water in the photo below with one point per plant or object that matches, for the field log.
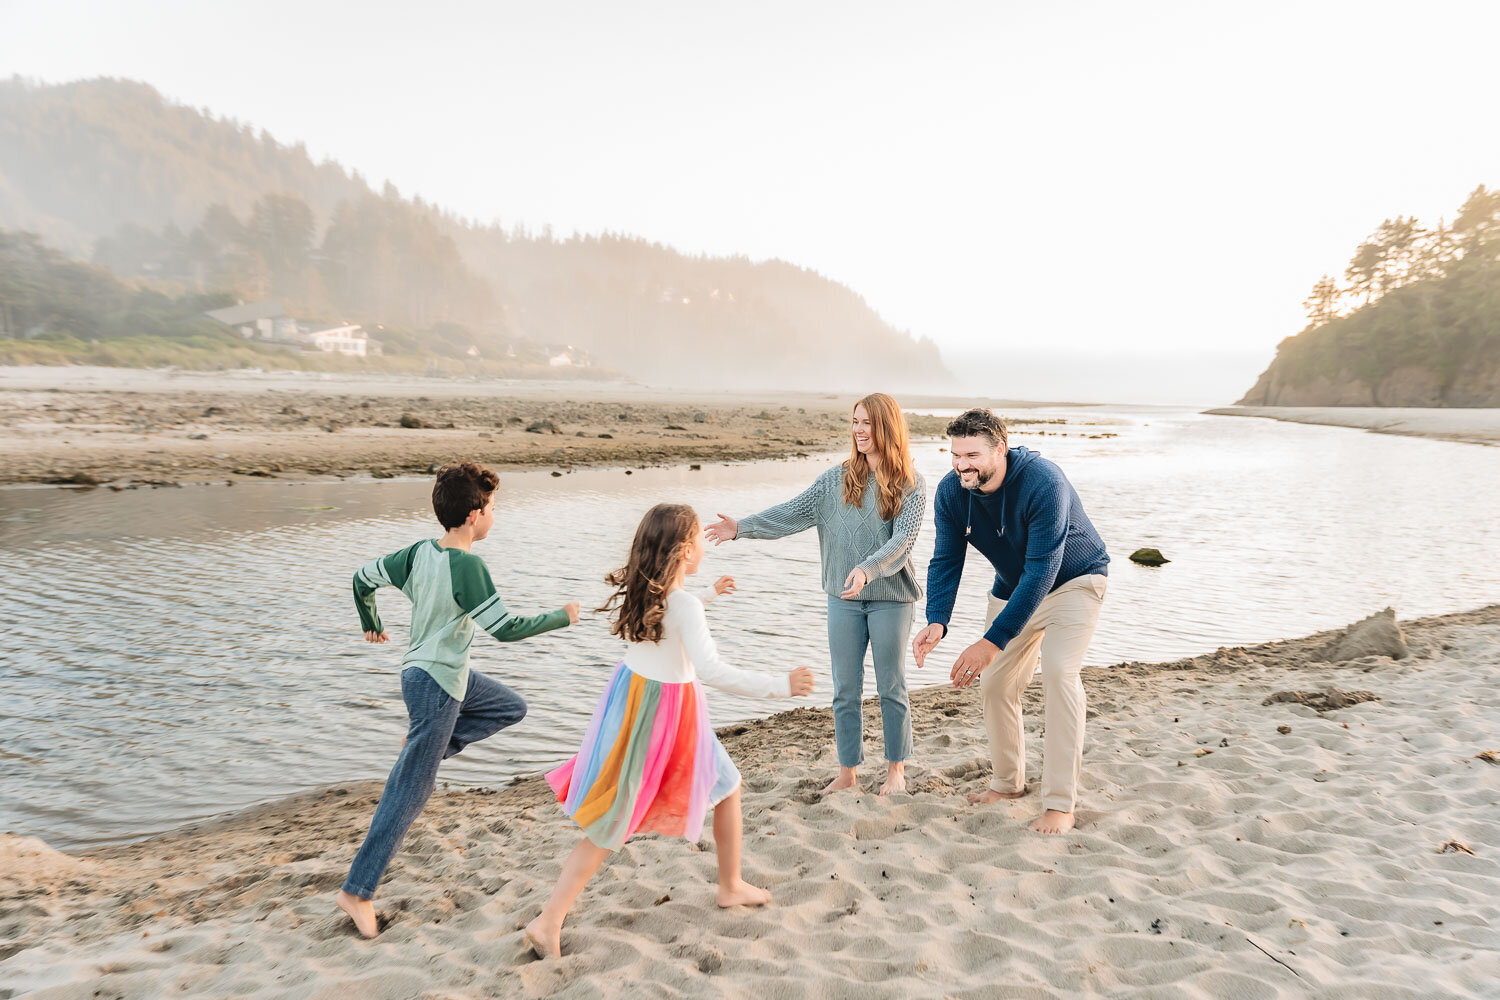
(1149, 557)
(1377, 635)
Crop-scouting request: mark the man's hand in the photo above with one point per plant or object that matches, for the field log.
(724, 585)
(723, 530)
(853, 584)
(801, 682)
(971, 663)
(572, 609)
(377, 636)
(924, 643)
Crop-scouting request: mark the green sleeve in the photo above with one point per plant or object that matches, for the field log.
(475, 593)
(387, 571)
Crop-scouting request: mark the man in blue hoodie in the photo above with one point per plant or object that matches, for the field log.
(1022, 514)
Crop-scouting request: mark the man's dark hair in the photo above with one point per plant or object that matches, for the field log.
(460, 489)
(979, 423)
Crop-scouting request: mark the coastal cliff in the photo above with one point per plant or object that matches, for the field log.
(1425, 330)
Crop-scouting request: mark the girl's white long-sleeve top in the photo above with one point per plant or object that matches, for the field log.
(687, 650)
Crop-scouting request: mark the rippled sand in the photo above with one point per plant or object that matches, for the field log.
(1216, 856)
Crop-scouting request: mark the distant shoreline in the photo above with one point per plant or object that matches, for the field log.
(90, 426)
(1469, 426)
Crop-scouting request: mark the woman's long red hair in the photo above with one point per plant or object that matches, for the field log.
(892, 442)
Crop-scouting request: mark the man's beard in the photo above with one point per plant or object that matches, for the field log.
(982, 476)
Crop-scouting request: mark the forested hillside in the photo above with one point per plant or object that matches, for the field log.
(188, 203)
(1415, 322)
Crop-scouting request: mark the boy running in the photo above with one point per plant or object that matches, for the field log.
(449, 705)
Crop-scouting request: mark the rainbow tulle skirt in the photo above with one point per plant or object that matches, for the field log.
(649, 763)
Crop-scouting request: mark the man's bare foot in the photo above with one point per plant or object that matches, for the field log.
(990, 796)
(361, 911)
(742, 893)
(1053, 821)
(543, 939)
(895, 779)
(846, 779)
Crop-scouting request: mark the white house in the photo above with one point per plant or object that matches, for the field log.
(266, 321)
(349, 339)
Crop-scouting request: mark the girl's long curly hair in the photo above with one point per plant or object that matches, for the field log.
(897, 472)
(657, 553)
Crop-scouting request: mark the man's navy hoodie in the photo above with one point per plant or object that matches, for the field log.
(1032, 530)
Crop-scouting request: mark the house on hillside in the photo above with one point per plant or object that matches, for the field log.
(268, 323)
(567, 356)
(265, 321)
(347, 338)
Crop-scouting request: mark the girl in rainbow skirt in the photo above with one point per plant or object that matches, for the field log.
(650, 762)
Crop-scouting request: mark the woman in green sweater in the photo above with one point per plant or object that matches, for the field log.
(868, 512)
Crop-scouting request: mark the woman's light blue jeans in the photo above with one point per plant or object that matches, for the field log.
(882, 627)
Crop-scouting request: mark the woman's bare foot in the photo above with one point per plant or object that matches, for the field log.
(544, 939)
(895, 778)
(1053, 821)
(361, 911)
(846, 779)
(742, 893)
(989, 796)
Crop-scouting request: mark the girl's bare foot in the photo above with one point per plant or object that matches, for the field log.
(1053, 821)
(846, 779)
(361, 911)
(742, 893)
(544, 939)
(989, 795)
(895, 779)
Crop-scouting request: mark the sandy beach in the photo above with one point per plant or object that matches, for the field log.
(1227, 847)
(133, 427)
(1474, 426)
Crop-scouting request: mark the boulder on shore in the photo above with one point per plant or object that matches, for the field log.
(1377, 635)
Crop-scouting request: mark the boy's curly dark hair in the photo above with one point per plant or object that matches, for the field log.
(460, 489)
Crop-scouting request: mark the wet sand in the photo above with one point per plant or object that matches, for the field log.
(126, 427)
(1473, 426)
(1229, 844)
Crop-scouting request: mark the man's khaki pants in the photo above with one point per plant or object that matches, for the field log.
(1058, 635)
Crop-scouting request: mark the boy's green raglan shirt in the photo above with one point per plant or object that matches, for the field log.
(451, 592)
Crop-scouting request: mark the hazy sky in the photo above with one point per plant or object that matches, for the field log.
(1105, 177)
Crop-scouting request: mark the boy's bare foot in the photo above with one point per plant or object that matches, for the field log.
(895, 779)
(989, 796)
(361, 911)
(1053, 821)
(742, 893)
(846, 779)
(543, 939)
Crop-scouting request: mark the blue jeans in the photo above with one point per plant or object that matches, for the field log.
(882, 627)
(440, 726)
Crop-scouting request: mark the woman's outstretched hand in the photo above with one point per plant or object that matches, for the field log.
(724, 585)
(377, 636)
(854, 583)
(801, 681)
(572, 609)
(722, 530)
